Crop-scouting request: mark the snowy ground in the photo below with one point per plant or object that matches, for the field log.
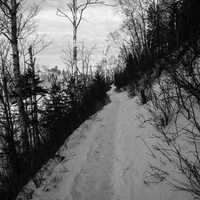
(106, 159)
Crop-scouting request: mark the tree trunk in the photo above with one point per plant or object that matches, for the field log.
(75, 67)
(34, 100)
(11, 153)
(17, 75)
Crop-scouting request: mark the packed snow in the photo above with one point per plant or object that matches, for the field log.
(106, 158)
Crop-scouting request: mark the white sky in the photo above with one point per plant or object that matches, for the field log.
(98, 23)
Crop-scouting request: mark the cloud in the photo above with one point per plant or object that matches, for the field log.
(97, 24)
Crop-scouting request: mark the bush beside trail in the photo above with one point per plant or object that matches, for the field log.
(67, 102)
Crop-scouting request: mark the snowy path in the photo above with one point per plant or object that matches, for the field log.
(105, 159)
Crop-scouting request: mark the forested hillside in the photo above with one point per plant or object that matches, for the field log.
(160, 65)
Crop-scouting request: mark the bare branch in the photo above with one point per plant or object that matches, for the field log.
(60, 13)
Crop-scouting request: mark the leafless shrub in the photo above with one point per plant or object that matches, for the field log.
(175, 113)
(162, 107)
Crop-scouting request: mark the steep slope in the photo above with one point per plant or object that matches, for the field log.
(106, 159)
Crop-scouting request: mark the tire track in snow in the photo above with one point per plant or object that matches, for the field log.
(123, 166)
(95, 178)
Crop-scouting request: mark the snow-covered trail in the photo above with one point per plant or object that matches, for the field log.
(106, 159)
(95, 178)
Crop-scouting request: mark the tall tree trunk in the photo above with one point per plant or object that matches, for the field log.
(17, 75)
(11, 153)
(34, 100)
(9, 123)
(75, 67)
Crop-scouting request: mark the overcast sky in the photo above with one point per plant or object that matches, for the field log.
(98, 23)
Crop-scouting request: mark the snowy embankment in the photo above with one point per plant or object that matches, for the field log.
(106, 159)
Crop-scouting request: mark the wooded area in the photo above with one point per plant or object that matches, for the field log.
(159, 61)
(36, 114)
(160, 64)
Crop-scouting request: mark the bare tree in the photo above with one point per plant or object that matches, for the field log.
(15, 26)
(75, 18)
(136, 24)
(67, 57)
(83, 59)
